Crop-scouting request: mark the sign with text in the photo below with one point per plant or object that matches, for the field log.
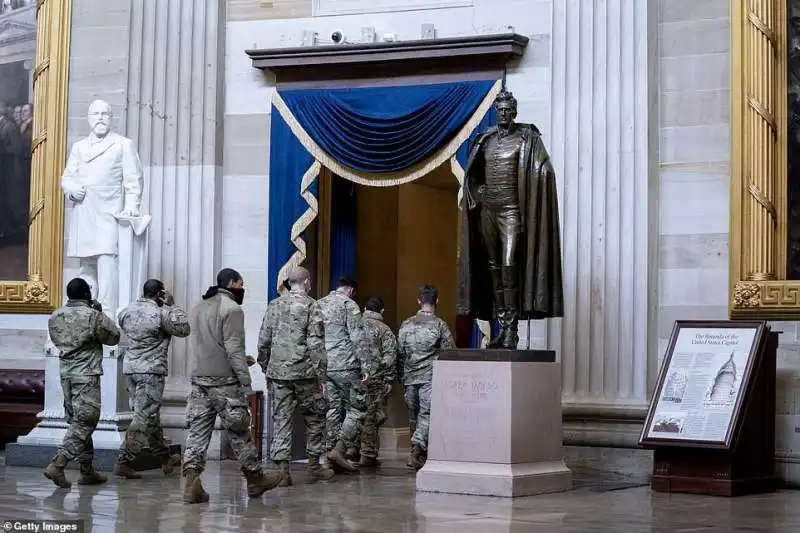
(703, 379)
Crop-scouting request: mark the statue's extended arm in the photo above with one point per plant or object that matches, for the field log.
(132, 179)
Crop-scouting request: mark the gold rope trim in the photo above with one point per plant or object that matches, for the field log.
(763, 112)
(459, 172)
(395, 178)
(761, 26)
(301, 224)
(761, 198)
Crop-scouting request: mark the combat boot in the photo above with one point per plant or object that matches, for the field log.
(285, 471)
(338, 460)
(259, 482)
(55, 472)
(125, 470)
(415, 458)
(169, 463)
(318, 471)
(370, 462)
(193, 491)
(90, 476)
(353, 454)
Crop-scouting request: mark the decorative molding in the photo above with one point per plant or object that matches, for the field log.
(41, 292)
(327, 8)
(317, 62)
(759, 210)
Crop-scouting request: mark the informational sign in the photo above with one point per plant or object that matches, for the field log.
(705, 373)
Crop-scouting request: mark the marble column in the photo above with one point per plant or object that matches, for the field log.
(174, 114)
(602, 145)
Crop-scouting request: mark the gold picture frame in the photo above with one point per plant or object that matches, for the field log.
(41, 292)
(759, 202)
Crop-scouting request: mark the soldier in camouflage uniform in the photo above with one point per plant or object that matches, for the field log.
(348, 354)
(291, 351)
(78, 331)
(419, 339)
(220, 385)
(148, 326)
(380, 384)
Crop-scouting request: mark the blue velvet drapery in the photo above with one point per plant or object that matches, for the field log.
(343, 229)
(385, 129)
(375, 130)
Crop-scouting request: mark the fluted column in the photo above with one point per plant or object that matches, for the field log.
(601, 148)
(174, 115)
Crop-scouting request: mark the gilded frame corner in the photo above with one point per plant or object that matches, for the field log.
(41, 292)
(759, 204)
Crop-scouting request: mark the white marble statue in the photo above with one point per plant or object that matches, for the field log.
(103, 180)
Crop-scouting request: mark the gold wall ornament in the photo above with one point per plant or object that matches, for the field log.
(759, 163)
(746, 294)
(41, 292)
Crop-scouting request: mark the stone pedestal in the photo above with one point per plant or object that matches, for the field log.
(495, 426)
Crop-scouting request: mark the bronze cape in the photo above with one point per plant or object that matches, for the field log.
(538, 257)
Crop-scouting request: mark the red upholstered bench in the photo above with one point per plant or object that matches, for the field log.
(21, 398)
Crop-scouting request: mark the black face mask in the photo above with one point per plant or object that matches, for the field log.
(238, 295)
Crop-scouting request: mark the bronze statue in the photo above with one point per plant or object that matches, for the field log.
(510, 257)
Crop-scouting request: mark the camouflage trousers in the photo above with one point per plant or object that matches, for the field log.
(287, 396)
(82, 409)
(373, 420)
(145, 392)
(230, 404)
(347, 406)
(418, 401)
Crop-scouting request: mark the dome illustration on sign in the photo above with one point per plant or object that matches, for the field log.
(724, 388)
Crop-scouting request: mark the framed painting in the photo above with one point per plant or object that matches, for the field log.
(34, 63)
(700, 391)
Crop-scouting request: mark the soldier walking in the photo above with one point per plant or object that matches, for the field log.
(220, 385)
(348, 354)
(291, 351)
(419, 339)
(380, 384)
(148, 325)
(79, 330)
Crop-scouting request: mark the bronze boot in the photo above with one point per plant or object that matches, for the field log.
(169, 463)
(55, 472)
(193, 491)
(318, 471)
(90, 476)
(338, 460)
(499, 305)
(125, 470)
(285, 471)
(259, 482)
(510, 338)
(415, 458)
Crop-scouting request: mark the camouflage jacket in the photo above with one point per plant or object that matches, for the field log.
(384, 345)
(419, 339)
(346, 347)
(291, 344)
(79, 332)
(146, 332)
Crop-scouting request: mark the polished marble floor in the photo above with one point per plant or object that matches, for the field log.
(384, 501)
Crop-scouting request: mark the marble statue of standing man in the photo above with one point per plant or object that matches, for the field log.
(103, 180)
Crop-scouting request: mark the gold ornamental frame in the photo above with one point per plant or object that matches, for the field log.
(759, 202)
(41, 292)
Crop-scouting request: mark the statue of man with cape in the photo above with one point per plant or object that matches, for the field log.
(510, 256)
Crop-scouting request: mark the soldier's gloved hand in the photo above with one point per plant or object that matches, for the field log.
(246, 390)
(96, 305)
(365, 378)
(387, 390)
(250, 360)
(324, 388)
(167, 298)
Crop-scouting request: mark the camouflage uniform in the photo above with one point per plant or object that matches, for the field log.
(384, 341)
(348, 355)
(79, 332)
(419, 339)
(291, 353)
(147, 331)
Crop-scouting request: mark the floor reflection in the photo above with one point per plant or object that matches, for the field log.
(383, 502)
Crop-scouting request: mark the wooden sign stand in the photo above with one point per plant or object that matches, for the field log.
(745, 462)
